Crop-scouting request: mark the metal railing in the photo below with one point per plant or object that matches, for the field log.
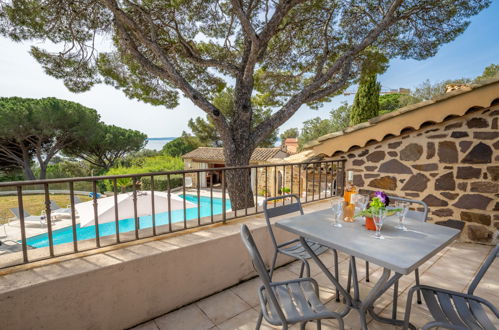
(209, 190)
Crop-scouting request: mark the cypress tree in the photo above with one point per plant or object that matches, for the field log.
(366, 102)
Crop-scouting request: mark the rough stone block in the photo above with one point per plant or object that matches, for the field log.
(385, 183)
(449, 195)
(459, 135)
(464, 145)
(443, 212)
(479, 233)
(480, 218)
(446, 182)
(468, 172)
(447, 152)
(426, 167)
(394, 166)
(376, 156)
(418, 182)
(484, 187)
(450, 127)
(394, 145)
(411, 152)
(477, 122)
(358, 162)
(430, 150)
(473, 201)
(485, 135)
(494, 172)
(456, 224)
(479, 154)
(432, 200)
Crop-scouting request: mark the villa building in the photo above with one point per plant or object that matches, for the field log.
(443, 151)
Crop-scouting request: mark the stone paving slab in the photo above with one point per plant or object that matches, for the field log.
(237, 307)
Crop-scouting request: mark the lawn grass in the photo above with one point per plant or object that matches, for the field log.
(34, 204)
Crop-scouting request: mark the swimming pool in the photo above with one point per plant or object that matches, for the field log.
(65, 235)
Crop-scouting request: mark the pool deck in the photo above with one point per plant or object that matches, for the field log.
(237, 307)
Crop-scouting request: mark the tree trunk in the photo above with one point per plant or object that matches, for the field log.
(43, 171)
(28, 173)
(239, 181)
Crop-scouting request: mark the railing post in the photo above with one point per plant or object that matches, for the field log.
(342, 176)
(224, 206)
(96, 214)
(116, 215)
(73, 216)
(48, 219)
(153, 208)
(169, 204)
(21, 221)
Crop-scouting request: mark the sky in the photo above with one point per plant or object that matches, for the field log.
(466, 56)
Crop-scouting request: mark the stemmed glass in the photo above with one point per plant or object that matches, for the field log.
(360, 202)
(404, 206)
(337, 206)
(378, 217)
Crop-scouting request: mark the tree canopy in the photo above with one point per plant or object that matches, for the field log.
(40, 129)
(105, 144)
(390, 102)
(491, 71)
(206, 131)
(366, 103)
(289, 133)
(181, 145)
(288, 52)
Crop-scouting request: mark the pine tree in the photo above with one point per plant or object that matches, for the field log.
(366, 102)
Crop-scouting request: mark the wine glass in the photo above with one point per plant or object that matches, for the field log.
(378, 217)
(337, 207)
(360, 202)
(404, 206)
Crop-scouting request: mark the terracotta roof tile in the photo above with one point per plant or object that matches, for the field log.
(216, 154)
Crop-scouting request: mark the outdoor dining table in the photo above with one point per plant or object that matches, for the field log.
(401, 252)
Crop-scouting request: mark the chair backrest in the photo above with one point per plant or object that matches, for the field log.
(54, 206)
(260, 268)
(17, 213)
(188, 181)
(486, 264)
(279, 209)
(413, 214)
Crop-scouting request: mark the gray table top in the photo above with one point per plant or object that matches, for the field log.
(400, 251)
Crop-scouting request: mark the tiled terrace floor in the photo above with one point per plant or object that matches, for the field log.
(237, 307)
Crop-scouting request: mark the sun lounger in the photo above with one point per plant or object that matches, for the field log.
(41, 219)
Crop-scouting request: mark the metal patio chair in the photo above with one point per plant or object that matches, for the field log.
(291, 248)
(456, 310)
(289, 302)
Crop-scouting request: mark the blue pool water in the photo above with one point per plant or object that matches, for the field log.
(65, 235)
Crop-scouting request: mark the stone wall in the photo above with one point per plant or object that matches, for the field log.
(453, 166)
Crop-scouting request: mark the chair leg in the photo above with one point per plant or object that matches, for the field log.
(349, 279)
(341, 324)
(259, 321)
(318, 324)
(336, 273)
(302, 268)
(367, 271)
(395, 299)
(418, 293)
(274, 260)
(307, 268)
